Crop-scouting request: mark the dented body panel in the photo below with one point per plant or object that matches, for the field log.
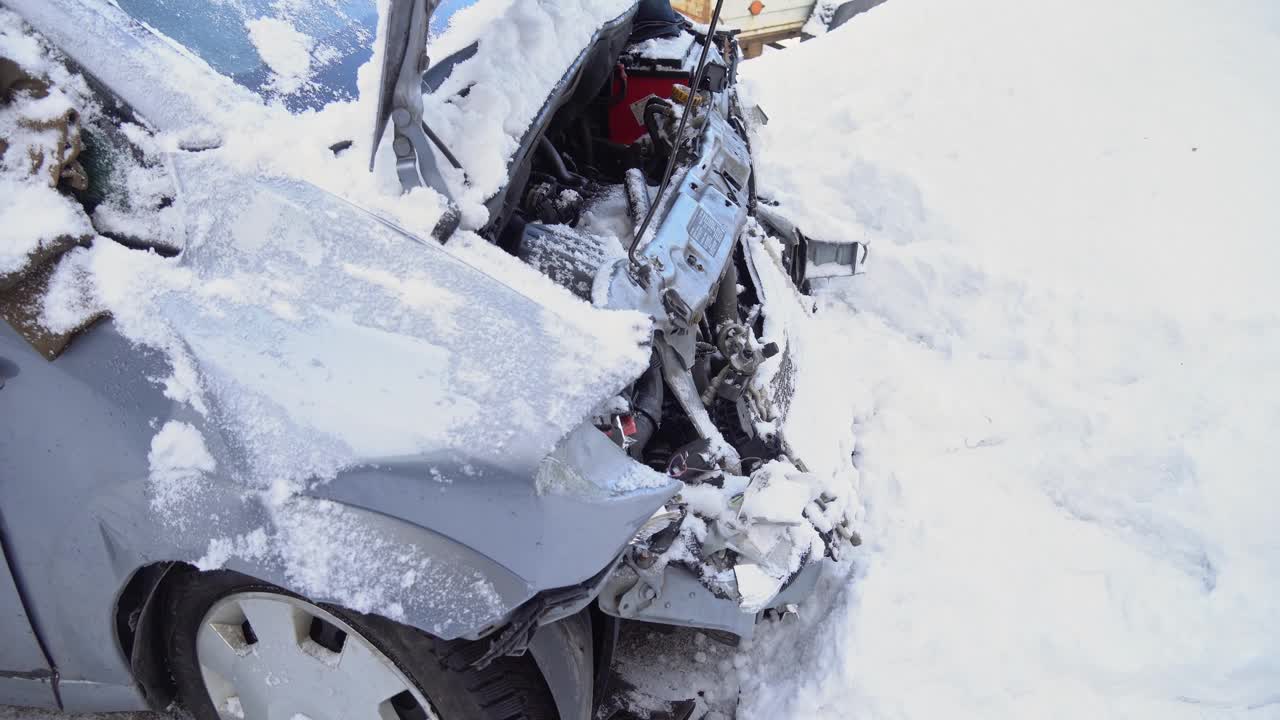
(483, 532)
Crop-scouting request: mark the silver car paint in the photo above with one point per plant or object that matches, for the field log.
(32, 683)
(75, 513)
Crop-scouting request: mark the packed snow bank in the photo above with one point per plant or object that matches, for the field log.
(1058, 375)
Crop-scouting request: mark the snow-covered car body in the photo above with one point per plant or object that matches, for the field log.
(226, 421)
(78, 451)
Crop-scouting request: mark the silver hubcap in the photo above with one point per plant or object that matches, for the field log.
(265, 656)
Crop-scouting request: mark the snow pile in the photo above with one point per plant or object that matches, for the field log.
(35, 136)
(285, 50)
(548, 37)
(1059, 373)
(679, 47)
(36, 216)
(179, 463)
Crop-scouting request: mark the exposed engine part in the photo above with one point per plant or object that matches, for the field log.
(734, 343)
(553, 204)
(646, 404)
(683, 261)
(680, 380)
(736, 422)
(725, 308)
(742, 359)
(549, 153)
(749, 522)
(679, 136)
(680, 94)
(657, 119)
(715, 77)
(637, 82)
(695, 464)
(619, 429)
(811, 263)
(569, 258)
(637, 196)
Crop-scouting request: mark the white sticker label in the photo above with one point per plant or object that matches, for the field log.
(706, 231)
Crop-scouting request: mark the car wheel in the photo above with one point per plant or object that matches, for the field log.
(240, 649)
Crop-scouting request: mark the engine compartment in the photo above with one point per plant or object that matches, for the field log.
(707, 411)
(594, 175)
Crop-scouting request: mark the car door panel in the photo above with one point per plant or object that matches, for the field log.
(73, 458)
(25, 675)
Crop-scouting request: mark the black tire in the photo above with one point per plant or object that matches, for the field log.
(511, 688)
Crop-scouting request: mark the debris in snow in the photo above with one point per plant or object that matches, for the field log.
(772, 522)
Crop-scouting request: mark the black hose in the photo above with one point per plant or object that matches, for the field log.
(653, 110)
(725, 308)
(557, 163)
(646, 402)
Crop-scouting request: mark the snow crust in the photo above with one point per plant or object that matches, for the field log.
(1057, 377)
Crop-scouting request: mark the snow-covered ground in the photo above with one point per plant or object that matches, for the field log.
(1060, 372)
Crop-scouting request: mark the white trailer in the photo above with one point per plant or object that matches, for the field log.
(760, 23)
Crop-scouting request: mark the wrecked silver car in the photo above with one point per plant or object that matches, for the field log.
(385, 362)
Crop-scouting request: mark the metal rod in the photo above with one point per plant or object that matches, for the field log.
(679, 139)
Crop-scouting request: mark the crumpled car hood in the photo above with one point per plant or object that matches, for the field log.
(323, 337)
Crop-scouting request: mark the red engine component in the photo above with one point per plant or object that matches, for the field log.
(631, 88)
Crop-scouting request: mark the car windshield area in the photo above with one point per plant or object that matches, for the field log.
(302, 53)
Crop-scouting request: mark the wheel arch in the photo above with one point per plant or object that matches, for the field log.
(139, 629)
(564, 651)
